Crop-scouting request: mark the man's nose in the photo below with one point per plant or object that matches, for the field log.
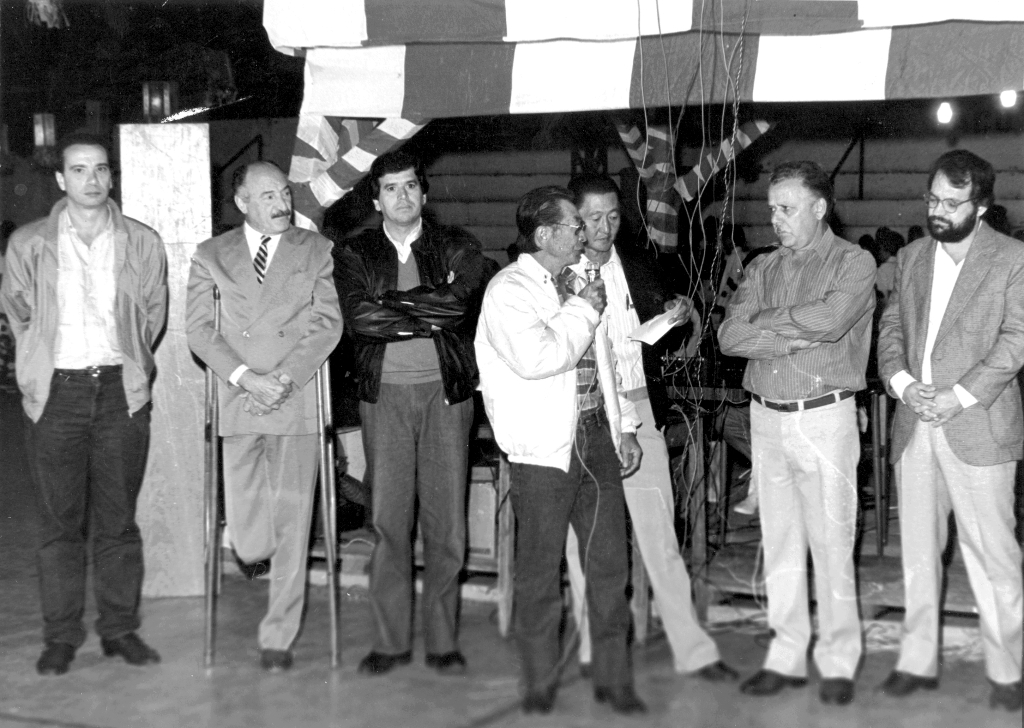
(603, 225)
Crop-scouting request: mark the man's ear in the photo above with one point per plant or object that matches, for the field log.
(376, 205)
(60, 181)
(982, 209)
(820, 208)
(240, 204)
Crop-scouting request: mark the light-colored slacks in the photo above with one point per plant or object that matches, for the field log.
(932, 482)
(651, 506)
(268, 497)
(805, 464)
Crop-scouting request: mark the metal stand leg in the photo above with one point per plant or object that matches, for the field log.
(211, 510)
(328, 505)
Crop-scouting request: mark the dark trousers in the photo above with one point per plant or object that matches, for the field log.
(417, 447)
(87, 457)
(546, 500)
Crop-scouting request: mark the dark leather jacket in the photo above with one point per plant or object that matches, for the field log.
(453, 274)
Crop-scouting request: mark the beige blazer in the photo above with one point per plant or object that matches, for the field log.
(292, 321)
(980, 344)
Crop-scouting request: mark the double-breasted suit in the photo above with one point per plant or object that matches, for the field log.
(290, 322)
(967, 465)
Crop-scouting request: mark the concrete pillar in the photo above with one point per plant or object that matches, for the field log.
(165, 183)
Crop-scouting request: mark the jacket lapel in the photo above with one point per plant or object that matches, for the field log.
(920, 298)
(975, 268)
(281, 266)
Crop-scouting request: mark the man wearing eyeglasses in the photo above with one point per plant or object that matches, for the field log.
(950, 345)
(802, 316)
(550, 389)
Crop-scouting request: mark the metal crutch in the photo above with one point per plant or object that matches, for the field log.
(211, 511)
(325, 431)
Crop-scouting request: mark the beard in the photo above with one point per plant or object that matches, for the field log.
(947, 232)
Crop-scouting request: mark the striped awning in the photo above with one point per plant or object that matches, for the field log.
(449, 58)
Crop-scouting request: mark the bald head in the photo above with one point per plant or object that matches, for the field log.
(263, 196)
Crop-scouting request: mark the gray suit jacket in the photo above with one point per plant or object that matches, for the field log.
(980, 344)
(290, 322)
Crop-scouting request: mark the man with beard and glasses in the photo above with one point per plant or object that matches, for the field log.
(802, 316)
(280, 319)
(950, 345)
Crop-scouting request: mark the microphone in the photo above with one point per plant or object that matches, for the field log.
(593, 271)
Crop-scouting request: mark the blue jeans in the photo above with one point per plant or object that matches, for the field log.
(417, 447)
(546, 500)
(87, 457)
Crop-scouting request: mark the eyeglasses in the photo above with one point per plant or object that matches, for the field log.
(579, 227)
(947, 204)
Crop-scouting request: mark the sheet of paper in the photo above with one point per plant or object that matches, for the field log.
(650, 332)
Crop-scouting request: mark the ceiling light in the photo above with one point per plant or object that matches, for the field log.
(1008, 98)
(944, 113)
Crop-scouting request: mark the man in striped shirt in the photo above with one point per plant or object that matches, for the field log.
(802, 316)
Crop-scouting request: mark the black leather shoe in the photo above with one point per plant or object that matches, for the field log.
(1006, 695)
(131, 648)
(276, 660)
(449, 663)
(254, 570)
(539, 701)
(900, 684)
(717, 672)
(836, 691)
(377, 663)
(623, 699)
(55, 659)
(769, 682)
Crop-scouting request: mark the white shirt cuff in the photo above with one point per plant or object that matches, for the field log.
(899, 383)
(965, 397)
(237, 374)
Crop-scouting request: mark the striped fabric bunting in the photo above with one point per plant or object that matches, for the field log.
(332, 154)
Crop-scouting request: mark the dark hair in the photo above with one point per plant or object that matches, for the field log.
(592, 184)
(240, 173)
(914, 232)
(963, 169)
(536, 208)
(393, 163)
(811, 175)
(889, 240)
(80, 137)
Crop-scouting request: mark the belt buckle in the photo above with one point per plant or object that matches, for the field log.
(788, 407)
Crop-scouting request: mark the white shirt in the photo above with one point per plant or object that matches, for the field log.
(404, 247)
(621, 319)
(86, 293)
(254, 238)
(944, 275)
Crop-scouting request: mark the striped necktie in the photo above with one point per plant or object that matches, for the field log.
(260, 263)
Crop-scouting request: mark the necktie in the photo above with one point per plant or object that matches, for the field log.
(260, 263)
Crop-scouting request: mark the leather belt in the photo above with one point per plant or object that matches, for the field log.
(803, 404)
(89, 371)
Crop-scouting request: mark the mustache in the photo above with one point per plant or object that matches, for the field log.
(282, 213)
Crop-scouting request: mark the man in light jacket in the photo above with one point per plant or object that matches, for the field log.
(549, 386)
(86, 295)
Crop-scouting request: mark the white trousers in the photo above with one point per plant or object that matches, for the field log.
(933, 482)
(805, 465)
(651, 508)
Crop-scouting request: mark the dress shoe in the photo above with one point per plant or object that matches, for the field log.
(717, 672)
(131, 648)
(55, 659)
(623, 699)
(900, 684)
(276, 660)
(377, 663)
(836, 691)
(1006, 695)
(449, 663)
(769, 682)
(254, 570)
(539, 701)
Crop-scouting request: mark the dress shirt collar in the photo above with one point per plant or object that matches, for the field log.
(404, 247)
(820, 244)
(254, 237)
